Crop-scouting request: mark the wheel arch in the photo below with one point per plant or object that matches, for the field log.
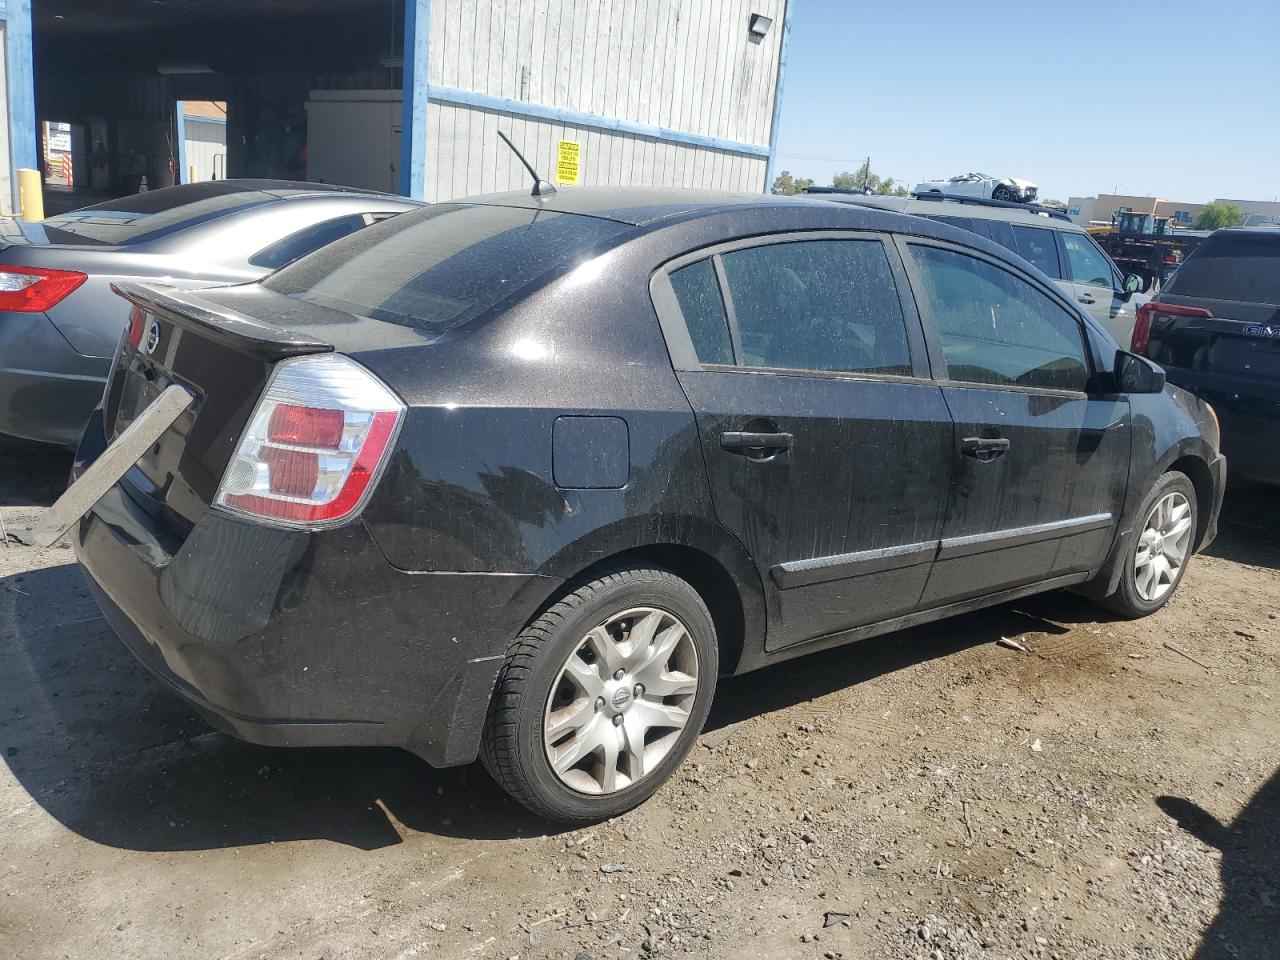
(704, 554)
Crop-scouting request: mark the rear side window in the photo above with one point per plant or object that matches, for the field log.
(1036, 246)
(698, 291)
(306, 241)
(996, 328)
(827, 305)
(964, 223)
(1002, 233)
(436, 268)
(1232, 266)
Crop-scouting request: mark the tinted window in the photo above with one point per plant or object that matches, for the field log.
(818, 305)
(1232, 266)
(964, 223)
(1002, 233)
(441, 266)
(698, 291)
(306, 241)
(1088, 264)
(996, 328)
(1036, 246)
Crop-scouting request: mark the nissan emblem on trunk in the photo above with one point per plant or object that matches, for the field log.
(153, 338)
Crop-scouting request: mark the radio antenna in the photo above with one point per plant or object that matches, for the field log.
(541, 187)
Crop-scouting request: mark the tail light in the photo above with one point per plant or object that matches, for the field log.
(315, 445)
(137, 320)
(1153, 314)
(35, 289)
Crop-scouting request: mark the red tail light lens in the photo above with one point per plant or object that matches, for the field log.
(137, 320)
(315, 445)
(1155, 314)
(35, 289)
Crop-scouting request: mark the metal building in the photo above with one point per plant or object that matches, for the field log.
(404, 95)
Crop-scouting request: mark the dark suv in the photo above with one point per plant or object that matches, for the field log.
(1215, 328)
(520, 477)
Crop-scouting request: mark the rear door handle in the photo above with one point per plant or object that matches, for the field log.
(1086, 298)
(757, 446)
(984, 449)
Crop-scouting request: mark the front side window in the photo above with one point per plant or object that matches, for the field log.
(1036, 246)
(1088, 264)
(997, 329)
(829, 305)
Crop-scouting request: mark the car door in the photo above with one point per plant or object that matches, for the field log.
(827, 446)
(1093, 280)
(1040, 463)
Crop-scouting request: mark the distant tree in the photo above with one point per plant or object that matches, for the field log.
(785, 183)
(1218, 215)
(1053, 204)
(844, 180)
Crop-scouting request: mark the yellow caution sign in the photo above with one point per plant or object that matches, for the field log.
(568, 162)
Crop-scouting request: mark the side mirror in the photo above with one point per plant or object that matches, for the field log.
(1132, 283)
(1135, 374)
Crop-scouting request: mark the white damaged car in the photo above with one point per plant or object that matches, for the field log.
(1010, 189)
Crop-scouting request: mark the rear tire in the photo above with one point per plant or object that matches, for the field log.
(1157, 555)
(573, 734)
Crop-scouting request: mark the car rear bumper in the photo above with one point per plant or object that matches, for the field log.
(47, 390)
(1248, 415)
(288, 638)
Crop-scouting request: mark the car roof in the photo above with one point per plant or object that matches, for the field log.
(638, 206)
(943, 207)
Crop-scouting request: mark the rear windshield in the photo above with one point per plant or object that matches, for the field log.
(1232, 266)
(437, 268)
(151, 215)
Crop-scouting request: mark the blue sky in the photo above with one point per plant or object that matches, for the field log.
(1059, 93)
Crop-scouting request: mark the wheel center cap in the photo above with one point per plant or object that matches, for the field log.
(620, 699)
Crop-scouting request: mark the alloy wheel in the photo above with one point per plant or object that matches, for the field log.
(1163, 546)
(621, 701)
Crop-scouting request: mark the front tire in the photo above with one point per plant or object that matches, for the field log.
(603, 696)
(1004, 193)
(1157, 557)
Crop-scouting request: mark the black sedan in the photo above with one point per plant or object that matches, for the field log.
(521, 477)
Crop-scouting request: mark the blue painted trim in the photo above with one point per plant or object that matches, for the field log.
(577, 118)
(4, 9)
(23, 148)
(182, 141)
(777, 98)
(413, 105)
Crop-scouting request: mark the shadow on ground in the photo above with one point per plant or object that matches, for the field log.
(1249, 529)
(31, 474)
(117, 758)
(1247, 919)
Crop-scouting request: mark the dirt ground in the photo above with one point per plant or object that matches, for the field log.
(930, 794)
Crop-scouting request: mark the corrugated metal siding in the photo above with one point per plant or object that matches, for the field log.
(684, 64)
(466, 157)
(687, 65)
(206, 148)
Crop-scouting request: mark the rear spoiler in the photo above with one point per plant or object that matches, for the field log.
(243, 333)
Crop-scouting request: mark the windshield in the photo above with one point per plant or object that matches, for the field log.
(440, 267)
(148, 216)
(1229, 266)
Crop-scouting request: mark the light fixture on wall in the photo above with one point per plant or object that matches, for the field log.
(758, 26)
(183, 68)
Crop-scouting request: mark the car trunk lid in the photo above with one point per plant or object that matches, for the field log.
(224, 358)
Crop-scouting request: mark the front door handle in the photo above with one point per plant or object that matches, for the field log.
(756, 446)
(1086, 298)
(984, 449)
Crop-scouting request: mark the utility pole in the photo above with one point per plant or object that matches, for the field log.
(866, 172)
